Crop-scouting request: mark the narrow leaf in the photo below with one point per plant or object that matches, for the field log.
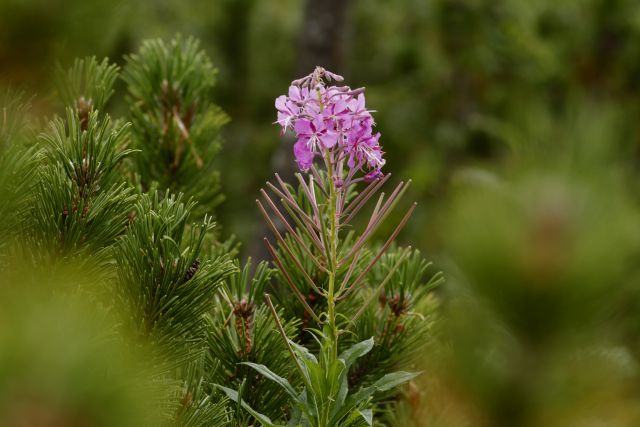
(355, 351)
(263, 419)
(394, 379)
(303, 352)
(269, 374)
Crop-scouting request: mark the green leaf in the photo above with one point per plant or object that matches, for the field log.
(394, 379)
(367, 414)
(267, 373)
(303, 352)
(296, 417)
(359, 398)
(355, 351)
(385, 383)
(263, 419)
(346, 359)
(342, 394)
(359, 418)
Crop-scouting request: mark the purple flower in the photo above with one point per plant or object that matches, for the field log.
(357, 105)
(315, 133)
(337, 116)
(331, 119)
(290, 107)
(298, 95)
(374, 175)
(304, 156)
(286, 112)
(361, 145)
(371, 152)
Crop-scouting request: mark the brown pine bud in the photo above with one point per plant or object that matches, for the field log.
(84, 109)
(244, 311)
(192, 270)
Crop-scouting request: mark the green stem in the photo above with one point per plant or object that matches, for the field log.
(333, 248)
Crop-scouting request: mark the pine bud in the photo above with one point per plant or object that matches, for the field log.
(243, 310)
(192, 270)
(84, 109)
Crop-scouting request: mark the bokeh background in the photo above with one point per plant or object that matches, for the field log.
(518, 122)
(457, 84)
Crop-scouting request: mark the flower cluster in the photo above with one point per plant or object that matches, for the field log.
(332, 122)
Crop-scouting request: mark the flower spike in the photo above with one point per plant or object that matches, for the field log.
(331, 122)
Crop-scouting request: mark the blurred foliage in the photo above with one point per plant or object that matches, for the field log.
(539, 322)
(174, 124)
(453, 88)
(16, 161)
(60, 362)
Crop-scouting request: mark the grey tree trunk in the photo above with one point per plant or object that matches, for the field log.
(322, 38)
(323, 35)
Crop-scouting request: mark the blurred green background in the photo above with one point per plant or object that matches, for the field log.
(457, 84)
(518, 122)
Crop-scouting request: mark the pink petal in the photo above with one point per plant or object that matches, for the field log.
(351, 162)
(294, 93)
(303, 127)
(374, 175)
(329, 139)
(304, 156)
(281, 103)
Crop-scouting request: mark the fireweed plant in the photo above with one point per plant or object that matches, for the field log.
(320, 256)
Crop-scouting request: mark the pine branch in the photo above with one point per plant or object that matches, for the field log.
(18, 160)
(162, 279)
(242, 330)
(79, 205)
(86, 86)
(402, 319)
(174, 122)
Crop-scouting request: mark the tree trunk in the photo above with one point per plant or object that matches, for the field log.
(322, 43)
(322, 36)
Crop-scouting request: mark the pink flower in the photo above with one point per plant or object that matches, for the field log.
(357, 105)
(315, 133)
(290, 107)
(374, 175)
(333, 118)
(304, 156)
(287, 111)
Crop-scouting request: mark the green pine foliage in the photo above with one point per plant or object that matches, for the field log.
(161, 276)
(79, 205)
(17, 163)
(399, 312)
(175, 124)
(69, 192)
(166, 289)
(87, 85)
(243, 331)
